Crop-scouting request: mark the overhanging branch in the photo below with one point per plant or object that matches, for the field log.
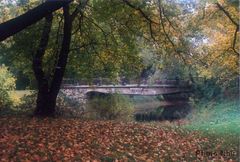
(150, 21)
(19, 23)
(220, 7)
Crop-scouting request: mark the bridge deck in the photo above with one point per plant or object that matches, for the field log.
(125, 86)
(130, 89)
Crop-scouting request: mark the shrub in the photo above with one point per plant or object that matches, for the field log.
(63, 108)
(28, 102)
(207, 89)
(7, 83)
(67, 107)
(110, 107)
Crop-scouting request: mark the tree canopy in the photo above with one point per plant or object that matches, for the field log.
(104, 38)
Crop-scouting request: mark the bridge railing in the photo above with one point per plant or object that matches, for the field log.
(123, 81)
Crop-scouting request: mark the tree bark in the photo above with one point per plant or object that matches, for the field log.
(46, 104)
(63, 55)
(44, 99)
(47, 95)
(17, 24)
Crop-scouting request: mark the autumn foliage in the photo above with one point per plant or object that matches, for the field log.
(33, 139)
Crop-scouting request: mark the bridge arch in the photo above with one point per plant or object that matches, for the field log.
(175, 96)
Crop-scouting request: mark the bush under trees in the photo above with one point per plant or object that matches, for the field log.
(110, 107)
(7, 83)
(63, 106)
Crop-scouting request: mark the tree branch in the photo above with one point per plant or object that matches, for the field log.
(150, 21)
(227, 14)
(37, 60)
(19, 23)
(220, 7)
(166, 34)
(63, 55)
(105, 34)
(79, 8)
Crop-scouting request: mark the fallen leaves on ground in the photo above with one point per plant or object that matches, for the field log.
(33, 139)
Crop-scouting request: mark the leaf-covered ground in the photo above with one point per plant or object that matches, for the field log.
(32, 139)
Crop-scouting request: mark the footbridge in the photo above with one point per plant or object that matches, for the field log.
(159, 87)
(175, 93)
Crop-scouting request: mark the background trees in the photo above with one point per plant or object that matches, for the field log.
(214, 37)
(49, 81)
(122, 38)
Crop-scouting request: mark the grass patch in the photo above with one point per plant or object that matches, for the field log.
(216, 118)
(219, 122)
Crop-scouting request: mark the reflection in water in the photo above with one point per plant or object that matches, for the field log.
(151, 108)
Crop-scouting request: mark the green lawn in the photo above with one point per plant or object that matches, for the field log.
(219, 122)
(218, 118)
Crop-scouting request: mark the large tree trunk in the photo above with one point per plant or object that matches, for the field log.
(47, 95)
(17, 24)
(63, 55)
(45, 101)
